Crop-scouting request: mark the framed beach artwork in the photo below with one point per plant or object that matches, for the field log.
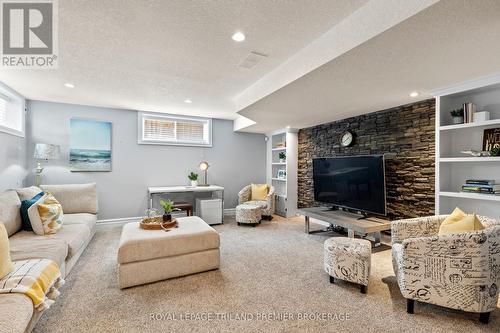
(90, 145)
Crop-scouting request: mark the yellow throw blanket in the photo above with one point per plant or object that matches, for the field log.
(38, 279)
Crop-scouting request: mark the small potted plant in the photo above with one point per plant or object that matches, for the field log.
(282, 157)
(457, 116)
(495, 151)
(193, 177)
(168, 207)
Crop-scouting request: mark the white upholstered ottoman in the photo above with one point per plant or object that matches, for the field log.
(348, 259)
(146, 256)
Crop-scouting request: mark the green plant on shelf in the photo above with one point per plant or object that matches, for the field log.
(193, 176)
(457, 113)
(282, 155)
(495, 151)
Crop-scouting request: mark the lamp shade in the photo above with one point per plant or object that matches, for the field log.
(203, 166)
(44, 151)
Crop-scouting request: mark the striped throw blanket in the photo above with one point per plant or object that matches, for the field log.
(38, 279)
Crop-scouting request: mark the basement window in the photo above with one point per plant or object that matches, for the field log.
(159, 129)
(11, 113)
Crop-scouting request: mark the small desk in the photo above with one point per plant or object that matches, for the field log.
(350, 221)
(186, 189)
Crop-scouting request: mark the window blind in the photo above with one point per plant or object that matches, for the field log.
(159, 129)
(3, 111)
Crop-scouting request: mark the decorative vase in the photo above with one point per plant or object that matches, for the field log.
(194, 183)
(457, 120)
(167, 217)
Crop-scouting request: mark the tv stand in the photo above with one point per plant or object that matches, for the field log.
(365, 225)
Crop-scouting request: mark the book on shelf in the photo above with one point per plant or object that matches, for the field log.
(480, 182)
(481, 191)
(490, 187)
(469, 110)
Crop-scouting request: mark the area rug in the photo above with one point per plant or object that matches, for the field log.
(271, 279)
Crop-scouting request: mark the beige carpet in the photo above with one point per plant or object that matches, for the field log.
(271, 270)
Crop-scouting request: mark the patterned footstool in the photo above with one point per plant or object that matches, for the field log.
(248, 214)
(348, 259)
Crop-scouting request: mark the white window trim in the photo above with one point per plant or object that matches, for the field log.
(140, 125)
(11, 94)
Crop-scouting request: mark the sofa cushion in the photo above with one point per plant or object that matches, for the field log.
(27, 193)
(81, 218)
(192, 235)
(25, 205)
(10, 212)
(16, 311)
(27, 245)
(46, 215)
(75, 235)
(75, 198)
(5, 263)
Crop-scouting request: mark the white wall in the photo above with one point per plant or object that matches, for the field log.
(236, 159)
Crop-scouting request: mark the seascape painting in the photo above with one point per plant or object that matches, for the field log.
(90, 145)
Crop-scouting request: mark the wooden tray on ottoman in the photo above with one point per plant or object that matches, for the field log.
(156, 223)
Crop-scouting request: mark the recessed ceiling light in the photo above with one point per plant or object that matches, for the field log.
(69, 85)
(188, 101)
(238, 36)
(414, 94)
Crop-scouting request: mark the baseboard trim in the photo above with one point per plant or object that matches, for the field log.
(123, 220)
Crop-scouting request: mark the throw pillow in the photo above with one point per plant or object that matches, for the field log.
(25, 205)
(5, 263)
(46, 215)
(259, 191)
(459, 222)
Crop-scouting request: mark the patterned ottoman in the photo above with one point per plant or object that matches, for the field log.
(248, 214)
(348, 259)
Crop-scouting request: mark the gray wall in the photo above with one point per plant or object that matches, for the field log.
(12, 154)
(12, 161)
(236, 159)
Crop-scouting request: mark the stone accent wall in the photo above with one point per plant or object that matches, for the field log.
(405, 134)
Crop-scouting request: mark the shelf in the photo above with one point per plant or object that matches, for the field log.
(279, 179)
(279, 163)
(469, 159)
(278, 149)
(477, 196)
(470, 125)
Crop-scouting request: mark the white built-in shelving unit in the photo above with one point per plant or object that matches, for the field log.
(452, 167)
(286, 188)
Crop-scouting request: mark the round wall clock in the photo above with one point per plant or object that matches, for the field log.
(346, 139)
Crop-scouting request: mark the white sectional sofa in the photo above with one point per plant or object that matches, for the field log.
(80, 207)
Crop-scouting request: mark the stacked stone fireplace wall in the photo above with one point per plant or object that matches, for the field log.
(405, 134)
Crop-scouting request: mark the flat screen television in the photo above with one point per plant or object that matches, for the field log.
(352, 182)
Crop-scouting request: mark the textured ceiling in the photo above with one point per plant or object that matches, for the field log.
(450, 42)
(152, 55)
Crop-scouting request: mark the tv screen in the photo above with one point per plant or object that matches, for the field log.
(353, 182)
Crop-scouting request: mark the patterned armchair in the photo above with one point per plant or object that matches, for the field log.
(266, 206)
(458, 271)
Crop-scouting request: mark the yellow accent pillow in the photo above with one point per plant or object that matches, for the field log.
(5, 262)
(46, 215)
(459, 222)
(259, 192)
